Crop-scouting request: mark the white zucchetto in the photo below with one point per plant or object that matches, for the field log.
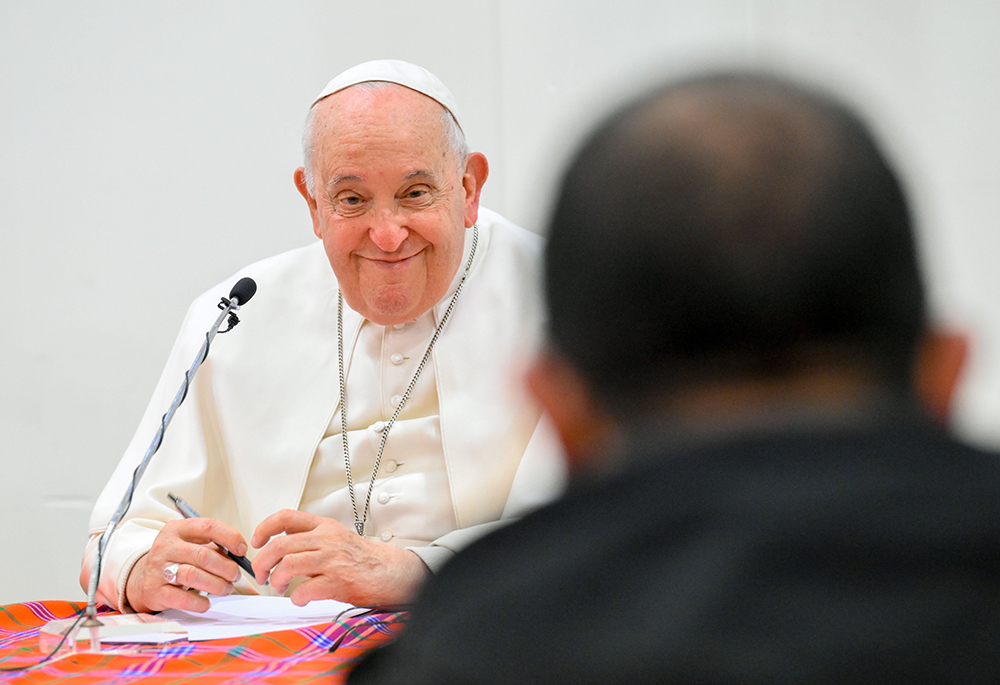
(394, 71)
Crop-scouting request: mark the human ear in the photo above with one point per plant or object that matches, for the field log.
(583, 428)
(303, 188)
(941, 357)
(477, 170)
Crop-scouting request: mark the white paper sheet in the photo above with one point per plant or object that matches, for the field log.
(240, 615)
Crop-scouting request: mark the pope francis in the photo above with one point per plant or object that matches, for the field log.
(366, 420)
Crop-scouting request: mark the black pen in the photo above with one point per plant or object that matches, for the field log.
(187, 512)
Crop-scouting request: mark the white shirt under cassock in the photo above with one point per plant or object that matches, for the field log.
(411, 501)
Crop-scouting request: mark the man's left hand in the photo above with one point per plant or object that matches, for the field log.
(336, 562)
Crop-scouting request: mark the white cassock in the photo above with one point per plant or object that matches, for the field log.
(260, 428)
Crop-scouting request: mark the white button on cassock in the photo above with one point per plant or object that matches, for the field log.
(396, 399)
(390, 466)
(383, 498)
(386, 535)
(396, 359)
(378, 426)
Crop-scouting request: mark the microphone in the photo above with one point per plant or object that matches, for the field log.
(239, 295)
(244, 289)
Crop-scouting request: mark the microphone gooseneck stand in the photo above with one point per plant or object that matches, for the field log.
(240, 295)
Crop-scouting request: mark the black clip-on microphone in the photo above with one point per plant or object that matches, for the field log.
(238, 296)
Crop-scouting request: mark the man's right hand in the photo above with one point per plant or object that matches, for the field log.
(196, 546)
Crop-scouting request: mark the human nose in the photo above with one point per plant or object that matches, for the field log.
(387, 231)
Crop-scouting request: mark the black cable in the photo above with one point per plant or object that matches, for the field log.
(51, 654)
(400, 618)
(159, 441)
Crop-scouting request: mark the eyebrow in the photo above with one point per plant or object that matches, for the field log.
(337, 180)
(421, 173)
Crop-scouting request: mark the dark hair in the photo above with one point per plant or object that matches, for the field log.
(725, 226)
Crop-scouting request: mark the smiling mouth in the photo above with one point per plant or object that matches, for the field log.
(391, 263)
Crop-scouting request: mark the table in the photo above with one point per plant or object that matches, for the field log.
(288, 656)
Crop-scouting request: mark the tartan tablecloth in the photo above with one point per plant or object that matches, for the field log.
(287, 656)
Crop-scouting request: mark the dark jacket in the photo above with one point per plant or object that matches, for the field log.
(868, 556)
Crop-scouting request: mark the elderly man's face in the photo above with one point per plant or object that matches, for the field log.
(391, 204)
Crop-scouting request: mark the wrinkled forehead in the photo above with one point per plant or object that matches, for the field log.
(388, 132)
(378, 113)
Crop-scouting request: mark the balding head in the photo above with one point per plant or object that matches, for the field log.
(453, 135)
(726, 227)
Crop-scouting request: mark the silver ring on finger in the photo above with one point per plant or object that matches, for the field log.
(170, 573)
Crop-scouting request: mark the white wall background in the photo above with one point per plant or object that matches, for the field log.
(147, 150)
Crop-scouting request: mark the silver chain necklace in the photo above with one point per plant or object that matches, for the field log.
(359, 521)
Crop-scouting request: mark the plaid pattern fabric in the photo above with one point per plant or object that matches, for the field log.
(288, 656)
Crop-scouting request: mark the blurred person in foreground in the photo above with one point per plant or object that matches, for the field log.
(365, 420)
(741, 368)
